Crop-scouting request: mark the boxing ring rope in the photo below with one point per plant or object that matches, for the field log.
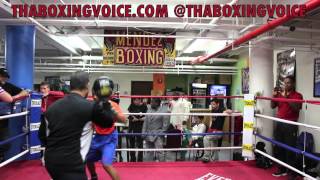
(13, 158)
(164, 97)
(178, 134)
(172, 97)
(289, 100)
(285, 164)
(287, 122)
(24, 113)
(186, 114)
(198, 134)
(14, 115)
(292, 149)
(173, 149)
(298, 151)
(13, 138)
(178, 149)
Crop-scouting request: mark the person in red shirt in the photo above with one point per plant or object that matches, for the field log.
(286, 133)
(104, 142)
(48, 96)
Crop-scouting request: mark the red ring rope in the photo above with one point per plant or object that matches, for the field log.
(290, 100)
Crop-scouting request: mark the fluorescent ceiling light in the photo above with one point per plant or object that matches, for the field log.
(196, 46)
(72, 43)
(78, 43)
(62, 42)
(98, 58)
(206, 45)
(216, 45)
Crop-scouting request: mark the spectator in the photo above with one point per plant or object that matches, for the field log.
(135, 126)
(186, 139)
(13, 90)
(48, 96)
(8, 93)
(155, 124)
(199, 127)
(286, 133)
(44, 90)
(180, 105)
(216, 127)
(4, 96)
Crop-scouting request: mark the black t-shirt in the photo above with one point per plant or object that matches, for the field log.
(11, 89)
(137, 109)
(217, 121)
(137, 125)
(66, 129)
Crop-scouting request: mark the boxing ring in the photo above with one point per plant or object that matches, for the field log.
(26, 164)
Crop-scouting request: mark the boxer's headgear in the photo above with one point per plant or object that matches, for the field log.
(103, 87)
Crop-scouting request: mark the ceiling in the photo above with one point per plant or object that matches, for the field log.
(195, 36)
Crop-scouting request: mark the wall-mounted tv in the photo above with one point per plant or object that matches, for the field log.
(216, 90)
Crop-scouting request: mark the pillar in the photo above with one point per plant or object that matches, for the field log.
(261, 80)
(19, 56)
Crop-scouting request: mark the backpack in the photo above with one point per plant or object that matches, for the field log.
(262, 161)
(307, 139)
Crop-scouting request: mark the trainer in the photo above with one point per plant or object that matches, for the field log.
(68, 130)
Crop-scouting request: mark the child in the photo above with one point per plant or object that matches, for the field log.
(105, 141)
(186, 139)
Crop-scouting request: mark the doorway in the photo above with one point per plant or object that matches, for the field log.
(141, 87)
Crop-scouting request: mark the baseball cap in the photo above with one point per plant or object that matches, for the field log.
(4, 72)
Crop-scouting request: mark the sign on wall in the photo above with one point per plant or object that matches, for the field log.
(316, 89)
(286, 62)
(144, 51)
(245, 81)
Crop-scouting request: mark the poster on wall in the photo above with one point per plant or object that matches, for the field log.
(141, 50)
(245, 81)
(316, 86)
(286, 63)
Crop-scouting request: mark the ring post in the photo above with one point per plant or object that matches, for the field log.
(248, 121)
(35, 114)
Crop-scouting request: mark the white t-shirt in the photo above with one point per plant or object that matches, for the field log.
(179, 106)
(198, 128)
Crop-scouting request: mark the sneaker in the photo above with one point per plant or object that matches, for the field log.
(205, 160)
(279, 173)
(94, 177)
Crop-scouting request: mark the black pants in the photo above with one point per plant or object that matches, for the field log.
(66, 172)
(136, 142)
(4, 134)
(286, 134)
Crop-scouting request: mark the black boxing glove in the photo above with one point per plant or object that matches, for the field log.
(103, 114)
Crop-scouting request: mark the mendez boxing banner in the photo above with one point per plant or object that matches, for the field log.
(286, 62)
(144, 51)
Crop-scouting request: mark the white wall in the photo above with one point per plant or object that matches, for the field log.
(304, 85)
(124, 81)
(263, 63)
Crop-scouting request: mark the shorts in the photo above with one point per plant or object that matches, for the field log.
(103, 147)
